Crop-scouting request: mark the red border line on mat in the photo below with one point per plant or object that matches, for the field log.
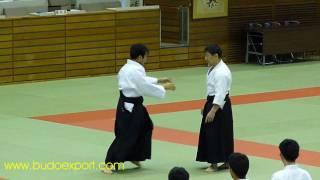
(190, 105)
(250, 148)
(104, 120)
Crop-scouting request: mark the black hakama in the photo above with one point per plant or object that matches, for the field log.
(216, 138)
(133, 132)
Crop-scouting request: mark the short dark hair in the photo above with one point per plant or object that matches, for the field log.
(289, 149)
(239, 164)
(137, 50)
(214, 49)
(178, 173)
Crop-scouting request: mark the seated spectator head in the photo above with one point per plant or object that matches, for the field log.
(178, 173)
(239, 165)
(289, 151)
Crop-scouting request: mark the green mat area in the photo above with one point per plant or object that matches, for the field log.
(261, 122)
(23, 139)
(88, 94)
(43, 142)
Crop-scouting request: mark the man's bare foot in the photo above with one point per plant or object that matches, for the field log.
(224, 166)
(106, 170)
(212, 168)
(137, 163)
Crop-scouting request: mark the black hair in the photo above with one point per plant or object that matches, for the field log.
(214, 49)
(137, 50)
(289, 149)
(178, 173)
(239, 164)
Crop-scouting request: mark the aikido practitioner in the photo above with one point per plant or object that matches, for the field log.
(133, 126)
(216, 132)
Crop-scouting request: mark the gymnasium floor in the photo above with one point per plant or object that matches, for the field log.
(72, 121)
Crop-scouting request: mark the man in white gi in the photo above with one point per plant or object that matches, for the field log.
(216, 132)
(133, 126)
(289, 152)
